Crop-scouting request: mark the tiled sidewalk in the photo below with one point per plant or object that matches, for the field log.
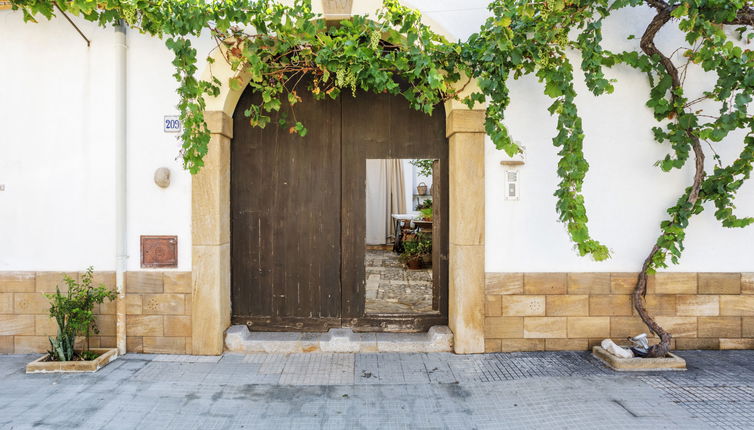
(439, 390)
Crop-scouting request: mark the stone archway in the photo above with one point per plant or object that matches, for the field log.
(210, 210)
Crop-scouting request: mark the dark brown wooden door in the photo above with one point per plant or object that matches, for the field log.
(285, 220)
(298, 212)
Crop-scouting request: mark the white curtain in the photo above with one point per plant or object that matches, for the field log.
(385, 195)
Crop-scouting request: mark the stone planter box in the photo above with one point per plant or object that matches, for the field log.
(636, 364)
(40, 365)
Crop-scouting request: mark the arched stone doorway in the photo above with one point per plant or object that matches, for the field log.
(211, 267)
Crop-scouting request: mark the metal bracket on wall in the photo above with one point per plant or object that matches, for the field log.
(88, 42)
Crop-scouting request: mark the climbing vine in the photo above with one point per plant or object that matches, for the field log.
(285, 50)
(525, 37)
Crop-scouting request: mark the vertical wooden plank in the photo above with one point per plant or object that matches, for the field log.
(285, 198)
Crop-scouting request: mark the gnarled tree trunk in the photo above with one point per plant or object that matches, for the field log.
(648, 46)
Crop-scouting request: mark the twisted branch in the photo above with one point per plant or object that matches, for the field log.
(692, 194)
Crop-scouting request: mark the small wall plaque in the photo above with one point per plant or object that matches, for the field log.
(159, 251)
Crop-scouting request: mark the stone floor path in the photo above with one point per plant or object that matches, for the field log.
(392, 288)
(380, 391)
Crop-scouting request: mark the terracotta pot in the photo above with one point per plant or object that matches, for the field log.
(414, 263)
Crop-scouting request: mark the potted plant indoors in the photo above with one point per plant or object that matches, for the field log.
(73, 313)
(411, 255)
(425, 248)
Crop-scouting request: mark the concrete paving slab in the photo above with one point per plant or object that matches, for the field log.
(381, 390)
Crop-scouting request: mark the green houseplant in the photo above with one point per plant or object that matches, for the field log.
(411, 255)
(73, 313)
(417, 251)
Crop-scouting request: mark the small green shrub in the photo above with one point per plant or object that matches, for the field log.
(73, 312)
(421, 245)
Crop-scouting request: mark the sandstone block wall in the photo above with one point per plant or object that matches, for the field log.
(158, 312)
(573, 311)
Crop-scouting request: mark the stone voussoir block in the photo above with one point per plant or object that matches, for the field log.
(589, 283)
(523, 305)
(545, 283)
(504, 283)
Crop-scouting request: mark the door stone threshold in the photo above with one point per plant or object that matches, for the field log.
(238, 338)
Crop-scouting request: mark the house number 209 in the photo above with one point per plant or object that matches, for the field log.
(171, 124)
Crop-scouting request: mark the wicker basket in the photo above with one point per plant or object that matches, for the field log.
(421, 189)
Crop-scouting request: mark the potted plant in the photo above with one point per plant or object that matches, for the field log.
(424, 220)
(411, 255)
(73, 313)
(425, 248)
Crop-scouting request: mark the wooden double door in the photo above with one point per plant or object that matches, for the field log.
(298, 212)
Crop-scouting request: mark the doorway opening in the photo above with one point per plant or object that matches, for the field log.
(399, 237)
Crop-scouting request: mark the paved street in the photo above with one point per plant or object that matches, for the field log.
(519, 390)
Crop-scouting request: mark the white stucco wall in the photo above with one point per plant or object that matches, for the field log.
(56, 101)
(626, 195)
(57, 159)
